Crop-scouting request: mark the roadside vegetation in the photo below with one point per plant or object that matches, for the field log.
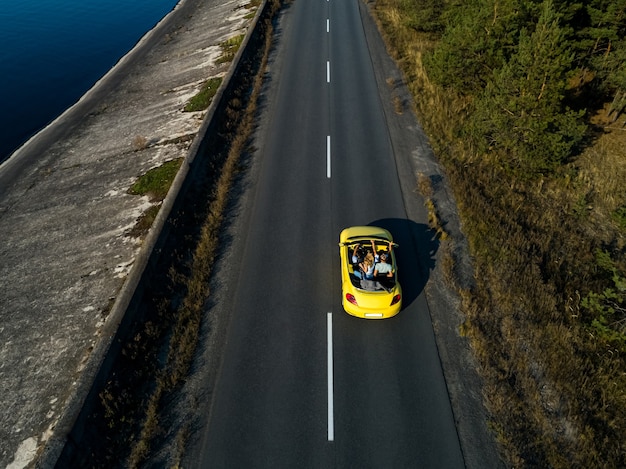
(155, 184)
(252, 6)
(523, 101)
(202, 100)
(230, 48)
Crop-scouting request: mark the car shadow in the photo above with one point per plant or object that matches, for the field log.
(415, 255)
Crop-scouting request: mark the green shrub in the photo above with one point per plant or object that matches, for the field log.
(230, 48)
(156, 182)
(607, 309)
(203, 99)
(619, 217)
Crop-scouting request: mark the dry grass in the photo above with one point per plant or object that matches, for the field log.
(398, 105)
(230, 48)
(424, 185)
(425, 188)
(139, 143)
(555, 388)
(602, 169)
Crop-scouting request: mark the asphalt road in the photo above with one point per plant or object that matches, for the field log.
(301, 383)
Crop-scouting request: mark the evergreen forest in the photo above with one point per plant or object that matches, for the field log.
(524, 103)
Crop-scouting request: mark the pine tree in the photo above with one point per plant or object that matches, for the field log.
(521, 113)
(607, 54)
(479, 37)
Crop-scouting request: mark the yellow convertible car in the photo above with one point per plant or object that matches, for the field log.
(369, 283)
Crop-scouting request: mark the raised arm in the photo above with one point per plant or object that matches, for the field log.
(355, 256)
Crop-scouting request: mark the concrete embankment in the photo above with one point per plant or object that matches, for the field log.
(68, 264)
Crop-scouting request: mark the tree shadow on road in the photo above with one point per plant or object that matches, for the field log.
(415, 255)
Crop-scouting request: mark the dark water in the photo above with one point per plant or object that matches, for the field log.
(53, 51)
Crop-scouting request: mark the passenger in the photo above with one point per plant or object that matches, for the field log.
(370, 260)
(367, 266)
(383, 267)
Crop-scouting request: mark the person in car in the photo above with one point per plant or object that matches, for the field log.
(384, 268)
(367, 266)
(357, 255)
